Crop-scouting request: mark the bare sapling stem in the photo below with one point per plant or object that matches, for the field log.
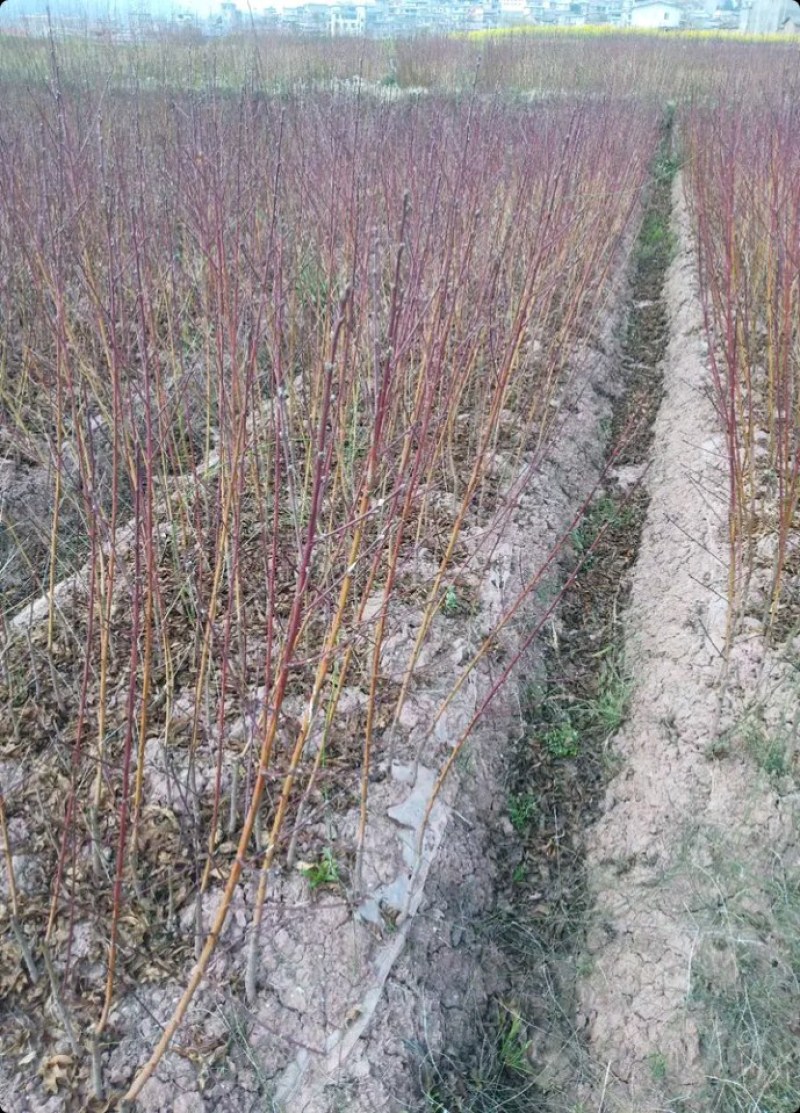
(16, 924)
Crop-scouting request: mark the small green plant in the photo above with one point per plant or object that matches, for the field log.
(582, 537)
(323, 872)
(562, 740)
(520, 874)
(668, 162)
(456, 602)
(522, 807)
(658, 1066)
(604, 512)
(451, 605)
(656, 240)
(584, 965)
(767, 752)
(514, 1048)
(774, 760)
(609, 709)
(718, 748)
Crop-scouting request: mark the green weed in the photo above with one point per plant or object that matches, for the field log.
(514, 1047)
(323, 872)
(562, 740)
(657, 243)
(522, 808)
(768, 752)
(658, 1066)
(605, 513)
(607, 712)
(451, 605)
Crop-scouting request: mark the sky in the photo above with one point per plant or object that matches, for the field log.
(123, 7)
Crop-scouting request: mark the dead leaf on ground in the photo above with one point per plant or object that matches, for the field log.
(55, 1070)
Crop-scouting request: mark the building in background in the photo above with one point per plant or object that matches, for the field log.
(765, 17)
(390, 18)
(656, 14)
(349, 19)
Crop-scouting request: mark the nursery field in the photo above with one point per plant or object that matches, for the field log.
(399, 574)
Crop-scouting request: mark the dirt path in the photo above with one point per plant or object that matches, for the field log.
(695, 832)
